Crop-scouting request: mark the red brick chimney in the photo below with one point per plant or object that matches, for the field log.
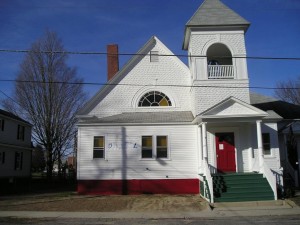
(112, 60)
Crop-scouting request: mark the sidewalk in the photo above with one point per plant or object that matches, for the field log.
(238, 209)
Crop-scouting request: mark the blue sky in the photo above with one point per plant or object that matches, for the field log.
(92, 24)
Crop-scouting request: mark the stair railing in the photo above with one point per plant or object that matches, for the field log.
(290, 170)
(270, 177)
(209, 181)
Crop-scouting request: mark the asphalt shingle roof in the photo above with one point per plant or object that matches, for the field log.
(284, 109)
(13, 116)
(214, 12)
(144, 117)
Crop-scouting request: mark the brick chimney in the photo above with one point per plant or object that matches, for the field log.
(112, 60)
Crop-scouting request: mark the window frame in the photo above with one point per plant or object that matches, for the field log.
(2, 157)
(155, 147)
(268, 143)
(103, 148)
(18, 160)
(21, 132)
(145, 97)
(2, 124)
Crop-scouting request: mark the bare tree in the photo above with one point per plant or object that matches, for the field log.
(50, 94)
(289, 91)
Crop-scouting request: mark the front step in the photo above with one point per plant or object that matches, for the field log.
(238, 187)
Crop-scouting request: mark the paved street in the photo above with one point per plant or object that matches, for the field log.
(274, 220)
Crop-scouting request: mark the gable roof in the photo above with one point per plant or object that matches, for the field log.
(214, 12)
(284, 109)
(125, 69)
(142, 118)
(232, 107)
(13, 116)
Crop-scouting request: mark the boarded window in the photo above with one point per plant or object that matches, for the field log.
(99, 149)
(154, 56)
(147, 147)
(266, 143)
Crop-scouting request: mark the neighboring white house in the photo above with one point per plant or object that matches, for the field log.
(15, 148)
(160, 126)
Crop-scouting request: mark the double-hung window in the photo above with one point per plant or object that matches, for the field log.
(21, 133)
(1, 124)
(266, 143)
(18, 160)
(2, 157)
(99, 147)
(154, 147)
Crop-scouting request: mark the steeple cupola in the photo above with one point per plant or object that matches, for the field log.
(215, 40)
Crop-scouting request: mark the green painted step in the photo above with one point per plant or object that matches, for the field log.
(241, 187)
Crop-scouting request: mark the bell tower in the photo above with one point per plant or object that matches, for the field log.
(215, 40)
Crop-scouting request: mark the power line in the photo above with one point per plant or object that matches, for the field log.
(140, 54)
(145, 85)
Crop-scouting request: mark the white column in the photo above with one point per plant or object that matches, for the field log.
(200, 149)
(204, 142)
(259, 145)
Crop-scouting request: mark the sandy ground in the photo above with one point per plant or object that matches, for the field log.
(71, 202)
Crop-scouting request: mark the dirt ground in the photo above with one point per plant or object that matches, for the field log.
(71, 202)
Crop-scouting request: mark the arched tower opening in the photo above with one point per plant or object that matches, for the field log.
(219, 61)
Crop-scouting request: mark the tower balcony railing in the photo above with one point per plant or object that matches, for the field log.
(220, 72)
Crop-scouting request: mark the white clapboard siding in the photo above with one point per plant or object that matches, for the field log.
(123, 161)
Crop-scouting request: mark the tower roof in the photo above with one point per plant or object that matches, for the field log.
(215, 13)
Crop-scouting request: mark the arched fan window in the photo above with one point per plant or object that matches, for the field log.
(154, 99)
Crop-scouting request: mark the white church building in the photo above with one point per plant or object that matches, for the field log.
(162, 127)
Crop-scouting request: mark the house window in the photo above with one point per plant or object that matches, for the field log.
(99, 149)
(18, 160)
(154, 146)
(154, 99)
(266, 143)
(147, 149)
(1, 124)
(162, 147)
(21, 132)
(2, 157)
(154, 56)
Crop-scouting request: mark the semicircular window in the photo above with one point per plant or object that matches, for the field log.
(154, 99)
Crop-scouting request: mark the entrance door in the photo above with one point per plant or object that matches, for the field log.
(225, 150)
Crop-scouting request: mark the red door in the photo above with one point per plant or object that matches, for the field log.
(225, 150)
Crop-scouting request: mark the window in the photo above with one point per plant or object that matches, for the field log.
(266, 143)
(154, 99)
(2, 157)
(21, 132)
(154, 56)
(147, 147)
(1, 124)
(152, 146)
(18, 160)
(162, 147)
(99, 143)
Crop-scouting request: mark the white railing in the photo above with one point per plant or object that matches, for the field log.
(209, 181)
(220, 72)
(271, 178)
